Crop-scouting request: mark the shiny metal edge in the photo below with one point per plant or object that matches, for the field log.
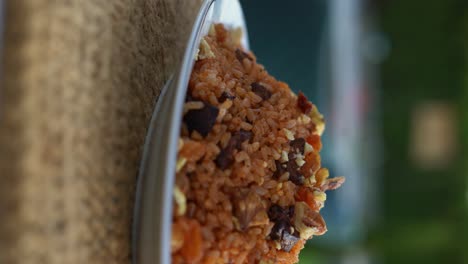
(151, 230)
(152, 216)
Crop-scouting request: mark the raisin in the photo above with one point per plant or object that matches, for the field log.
(303, 103)
(279, 228)
(281, 231)
(288, 241)
(294, 174)
(297, 145)
(225, 96)
(226, 157)
(201, 120)
(260, 90)
(276, 212)
(290, 167)
(281, 168)
(240, 55)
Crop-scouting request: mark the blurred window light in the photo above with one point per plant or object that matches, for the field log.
(433, 140)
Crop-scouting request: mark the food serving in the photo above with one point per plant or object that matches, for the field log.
(249, 182)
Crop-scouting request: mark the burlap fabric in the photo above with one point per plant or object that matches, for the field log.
(81, 78)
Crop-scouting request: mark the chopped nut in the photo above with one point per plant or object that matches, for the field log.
(192, 105)
(300, 160)
(205, 50)
(246, 207)
(180, 145)
(180, 163)
(304, 119)
(320, 196)
(284, 156)
(310, 181)
(307, 221)
(180, 200)
(277, 245)
(236, 36)
(333, 183)
(289, 135)
(223, 109)
(318, 120)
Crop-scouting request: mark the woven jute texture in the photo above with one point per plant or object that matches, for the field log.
(80, 80)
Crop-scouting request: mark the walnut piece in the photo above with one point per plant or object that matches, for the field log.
(246, 209)
(307, 221)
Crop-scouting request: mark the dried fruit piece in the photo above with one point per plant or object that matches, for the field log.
(282, 230)
(294, 175)
(303, 103)
(288, 241)
(226, 157)
(192, 150)
(260, 90)
(306, 195)
(281, 168)
(291, 167)
(192, 250)
(276, 212)
(320, 177)
(312, 164)
(241, 55)
(297, 145)
(201, 120)
(226, 96)
(315, 141)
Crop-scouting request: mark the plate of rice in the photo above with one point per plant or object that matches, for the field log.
(232, 169)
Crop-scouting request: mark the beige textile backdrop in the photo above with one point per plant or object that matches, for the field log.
(80, 81)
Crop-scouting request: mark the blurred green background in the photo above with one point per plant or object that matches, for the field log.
(411, 95)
